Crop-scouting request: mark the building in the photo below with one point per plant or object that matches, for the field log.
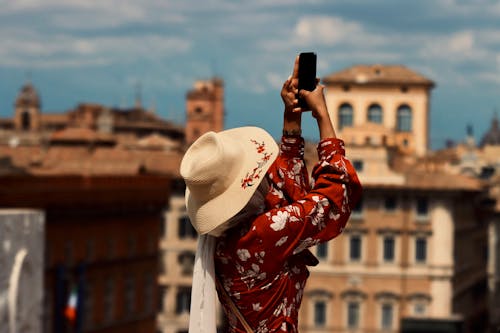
(204, 108)
(102, 178)
(415, 248)
(29, 125)
(204, 112)
(482, 161)
(405, 253)
(381, 104)
(101, 239)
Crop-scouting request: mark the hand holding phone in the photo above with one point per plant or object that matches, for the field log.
(306, 75)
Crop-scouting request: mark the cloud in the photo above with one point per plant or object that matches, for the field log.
(27, 48)
(311, 30)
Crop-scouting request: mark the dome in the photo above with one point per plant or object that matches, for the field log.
(492, 137)
(28, 96)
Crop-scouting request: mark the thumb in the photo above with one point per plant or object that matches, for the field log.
(303, 93)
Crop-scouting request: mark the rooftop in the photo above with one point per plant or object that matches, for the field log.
(378, 74)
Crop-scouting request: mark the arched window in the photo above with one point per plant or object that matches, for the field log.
(375, 114)
(25, 121)
(404, 118)
(345, 115)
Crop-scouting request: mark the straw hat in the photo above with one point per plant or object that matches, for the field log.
(222, 171)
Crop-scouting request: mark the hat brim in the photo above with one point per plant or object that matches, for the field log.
(258, 151)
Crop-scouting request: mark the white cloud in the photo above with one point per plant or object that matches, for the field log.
(26, 48)
(461, 42)
(275, 80)
(311, 30)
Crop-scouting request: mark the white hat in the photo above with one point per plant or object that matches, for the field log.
(222, 171)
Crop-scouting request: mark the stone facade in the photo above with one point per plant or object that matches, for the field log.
(22, 234)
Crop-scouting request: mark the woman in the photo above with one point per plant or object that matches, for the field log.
(257, 215)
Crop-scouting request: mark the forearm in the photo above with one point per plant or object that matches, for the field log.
(292, 123)
(325, 125)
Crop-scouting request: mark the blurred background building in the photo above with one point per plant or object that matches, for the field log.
(101, 177)
(420, 251)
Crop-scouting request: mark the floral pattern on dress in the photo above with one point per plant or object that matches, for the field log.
(263, 263)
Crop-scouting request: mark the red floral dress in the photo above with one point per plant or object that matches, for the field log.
(262, 264)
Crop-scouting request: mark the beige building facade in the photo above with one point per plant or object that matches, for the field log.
(381, 105)
(415, 247)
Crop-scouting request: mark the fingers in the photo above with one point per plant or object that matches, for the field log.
(295, 74)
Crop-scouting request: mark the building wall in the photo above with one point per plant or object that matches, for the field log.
(389, 98)
(204, 109)
(101, 240)
(175, 278)
(426, 289)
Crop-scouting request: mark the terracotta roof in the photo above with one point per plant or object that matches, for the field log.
(378, 74)
(163, 163)
(54, 118)
(80, 134)
(157, 142)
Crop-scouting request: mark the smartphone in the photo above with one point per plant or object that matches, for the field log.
(307, 75)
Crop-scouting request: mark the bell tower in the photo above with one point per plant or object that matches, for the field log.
(204, 108)
(27, 109)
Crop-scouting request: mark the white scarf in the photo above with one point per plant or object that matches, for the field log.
(202, 317)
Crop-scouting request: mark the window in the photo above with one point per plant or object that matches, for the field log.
(352, 315)
(420, 249)
(357, 212)
(183, 300)
(419, 309)
(109, 300)
(345, 115)
(355, 248)
(90, 250)
(390, 203)
(186, 230)
(111, 245)
(358, 165)
(387, 316)
(131, 245)
(25, 120)
(404, 119)
(129, 295)
(198, 110)
(419, 304)
(186, 261)
(322, 250)
(149, 287)
(388, 248)
(375, 114)
(319, 313)
(422, 207)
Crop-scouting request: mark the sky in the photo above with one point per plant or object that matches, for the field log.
(77, 51)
